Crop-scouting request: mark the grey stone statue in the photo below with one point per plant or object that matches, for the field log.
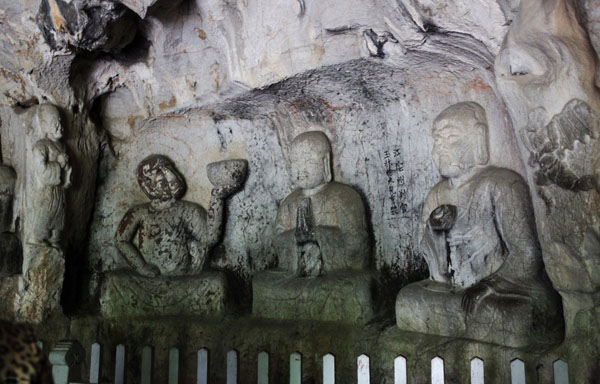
(50, 177)
(322, 245)
(487, 278)
(321, 226)
(10, 247)
(173, 235)
(166, 242)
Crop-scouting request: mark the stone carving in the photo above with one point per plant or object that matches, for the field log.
(10, 247)
(487, 278)
(50, 177)
(166, 243)
(546, 71)
(320, 231)
(550, 145)
(173, 236)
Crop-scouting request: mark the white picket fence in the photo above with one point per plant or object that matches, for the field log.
(477, 366)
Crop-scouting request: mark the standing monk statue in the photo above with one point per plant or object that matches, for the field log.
(51, 177)
(487, 278)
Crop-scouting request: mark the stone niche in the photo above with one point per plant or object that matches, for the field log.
(200, 82)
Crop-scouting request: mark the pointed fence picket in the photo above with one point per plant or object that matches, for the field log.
(296, 368)
(329, 369)
(476, 371)
(517, 367)
(202, 369)
(263, 368)
(400, 376)
(232, 367)
(363, 370)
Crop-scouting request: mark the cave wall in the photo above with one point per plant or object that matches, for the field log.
(207, 80)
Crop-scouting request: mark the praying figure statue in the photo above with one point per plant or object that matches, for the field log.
(322, 245)
(487, 278)
(173, 236)
(321, 226)
(51, 176)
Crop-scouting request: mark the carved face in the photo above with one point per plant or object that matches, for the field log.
(159, 180)
(50, 124)
(309, 165)
(454, 149)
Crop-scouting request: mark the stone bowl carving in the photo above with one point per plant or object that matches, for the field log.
(227, 173)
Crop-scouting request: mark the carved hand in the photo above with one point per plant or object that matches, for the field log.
(224, 192)
(68, 172)
(474, 295)
(305, 227)
(149, 270)
(62, 160)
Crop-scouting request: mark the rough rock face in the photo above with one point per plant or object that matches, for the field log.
(203, 81)
(546, 71)
(99, 25)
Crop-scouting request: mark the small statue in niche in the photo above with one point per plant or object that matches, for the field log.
(322, 244)
(51, 176)
(321, 226)
(487, 278)
(10, 247)
(173, 235)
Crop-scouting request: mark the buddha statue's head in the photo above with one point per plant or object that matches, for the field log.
(159, 179)
(460, 139)
(47, 119)
(311, 160)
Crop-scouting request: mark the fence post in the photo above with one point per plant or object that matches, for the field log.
(363, 370)
(561, 372)
(120, 364)
(400, 376)
(174, 366)
(202, 372)
(95, 363)
(263, 368)
(437, 370)
(147, 357)
(329, 369)
(477, 371)
(64, 357)
(296, 368)
(517, 372)
(232, 367)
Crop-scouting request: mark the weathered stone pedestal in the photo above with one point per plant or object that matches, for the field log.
(32, 296)
(125, 294)
(343, 296)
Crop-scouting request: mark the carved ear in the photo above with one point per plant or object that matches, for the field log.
(482, 146)
(327, 168)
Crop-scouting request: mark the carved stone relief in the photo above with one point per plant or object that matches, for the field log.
(322, 244)
(480, 243)
(50, 177)
(546, 74)
(166, 243)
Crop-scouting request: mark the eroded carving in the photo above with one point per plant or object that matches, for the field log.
(321, 226)
(321, 233)
(481, 246)
(50, 177)
(173, 236)
(166, 243)
(550, 145)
